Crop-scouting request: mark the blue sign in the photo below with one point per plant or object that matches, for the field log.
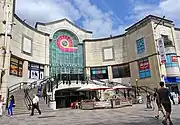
(172, 79)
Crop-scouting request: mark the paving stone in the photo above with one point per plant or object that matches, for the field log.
(135, 115)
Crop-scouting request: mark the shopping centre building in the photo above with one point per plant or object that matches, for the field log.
(147, 53)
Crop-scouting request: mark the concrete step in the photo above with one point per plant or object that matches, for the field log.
(21, 107)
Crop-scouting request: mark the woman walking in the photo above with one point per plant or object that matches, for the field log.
(11, 105)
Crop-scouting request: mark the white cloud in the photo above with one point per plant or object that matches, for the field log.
(46, 10)
(169, 8)
(93, 18)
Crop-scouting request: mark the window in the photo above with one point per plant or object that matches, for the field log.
(16, 67)
(144, 68)
(108, 53)
(99, 73)
(140, 46)
(167, 41)
(121, 71)
(26, 45)
(36, 71)
(171, 60)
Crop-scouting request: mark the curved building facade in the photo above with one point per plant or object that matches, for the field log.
(148, 52)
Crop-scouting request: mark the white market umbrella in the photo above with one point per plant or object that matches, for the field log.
(88, 87)
(120, 87)
(100, 88)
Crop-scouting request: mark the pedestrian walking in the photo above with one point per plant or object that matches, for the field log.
(11, 105)
(35, 105)
(163, 96)
(1, 105)
(159, 106)
(148, 97)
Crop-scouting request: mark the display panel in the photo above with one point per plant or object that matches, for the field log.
(144, 68)
(36, 71)
(171, 60)
(99, 73)
(140, 45)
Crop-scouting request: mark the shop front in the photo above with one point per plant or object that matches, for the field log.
(173, 83)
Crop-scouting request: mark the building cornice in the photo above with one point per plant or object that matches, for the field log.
(28, 26)
(61, 20)
(102, 39)
(146, 19)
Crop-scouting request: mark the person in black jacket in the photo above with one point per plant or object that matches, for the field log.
(164, 99)
(159, 106)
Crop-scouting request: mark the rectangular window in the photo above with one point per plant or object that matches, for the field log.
(99, 73)
(108, 53)
(144, 68)
(171, 60)
(26, 45)
(167, 41)
(121, 71)
(140, 45)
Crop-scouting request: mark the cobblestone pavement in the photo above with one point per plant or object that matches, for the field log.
(135, 115)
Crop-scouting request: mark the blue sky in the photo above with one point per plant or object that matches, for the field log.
(103, 17)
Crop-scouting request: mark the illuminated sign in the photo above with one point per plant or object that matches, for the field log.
(64, 43)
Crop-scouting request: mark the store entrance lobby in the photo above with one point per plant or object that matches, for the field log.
(65, 97)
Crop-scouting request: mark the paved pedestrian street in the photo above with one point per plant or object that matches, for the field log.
(135, 115)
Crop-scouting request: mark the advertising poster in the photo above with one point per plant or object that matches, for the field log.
(174, 58)
(34, 74)
(162, 50)
(144, 65)
(36, 71)
(144, 68)
(14, 69)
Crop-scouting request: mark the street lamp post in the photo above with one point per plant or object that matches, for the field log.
(52, 80)
(136, 92)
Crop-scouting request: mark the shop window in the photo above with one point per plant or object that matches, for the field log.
(16, 67)
(36, 71)
(144, 68)
(140, 45)
(171, 60)
(99, 73)
(121, 71)
(167, 41)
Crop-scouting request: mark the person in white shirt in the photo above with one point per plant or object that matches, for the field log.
(35, 104)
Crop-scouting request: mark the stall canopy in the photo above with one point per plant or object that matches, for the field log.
(121, 87)
(92, 87)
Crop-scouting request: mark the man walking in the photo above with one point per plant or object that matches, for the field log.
(163, 96)
(35, 104)
(159, 106)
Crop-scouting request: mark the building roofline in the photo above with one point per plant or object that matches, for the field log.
(28, 26)
(176, 28)
(147, 18)
(102, 39)
(57, 21)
